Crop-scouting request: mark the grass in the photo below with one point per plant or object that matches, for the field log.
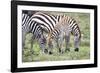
(84, 53)
(34, 54)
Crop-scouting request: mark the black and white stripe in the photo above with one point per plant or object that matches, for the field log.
(30, 26)
(63, 28)
(72, 25)
(46, 20)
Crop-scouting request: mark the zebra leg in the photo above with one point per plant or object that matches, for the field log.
(50, 45)
(42, 43)
(60, 43)
(67, 40)
(58, 46)
(76, 43)
(50, 48)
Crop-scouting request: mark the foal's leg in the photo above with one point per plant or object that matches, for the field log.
(60, 42)
(67, 40)
(50, 48)
(76, 43)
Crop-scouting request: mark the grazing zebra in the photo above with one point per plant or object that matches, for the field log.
(62, 30)
(30, 26)
(49, 21)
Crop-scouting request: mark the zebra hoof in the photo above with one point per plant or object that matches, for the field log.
(50, 52)
(76, 49)
(67, 50)
(60, 50)
(45, 51)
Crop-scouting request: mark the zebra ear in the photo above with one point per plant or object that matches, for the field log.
(25, 11)
(30, 13)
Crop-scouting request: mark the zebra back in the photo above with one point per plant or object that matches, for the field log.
(65, 24)
(30, 26)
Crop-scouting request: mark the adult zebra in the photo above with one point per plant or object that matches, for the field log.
(48, 22)
(30, 26)
(62, 31)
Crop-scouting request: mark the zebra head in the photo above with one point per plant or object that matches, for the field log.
(49, 40)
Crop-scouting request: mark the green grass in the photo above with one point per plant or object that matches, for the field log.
(84, 53)
(34, 54)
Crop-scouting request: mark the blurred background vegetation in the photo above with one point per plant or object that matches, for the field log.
(83, 20)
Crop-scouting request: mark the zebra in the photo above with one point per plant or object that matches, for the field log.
(62, 31)
(30, 26)
(49, 21)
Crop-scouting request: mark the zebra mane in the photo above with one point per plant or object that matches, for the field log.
(28, 12)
